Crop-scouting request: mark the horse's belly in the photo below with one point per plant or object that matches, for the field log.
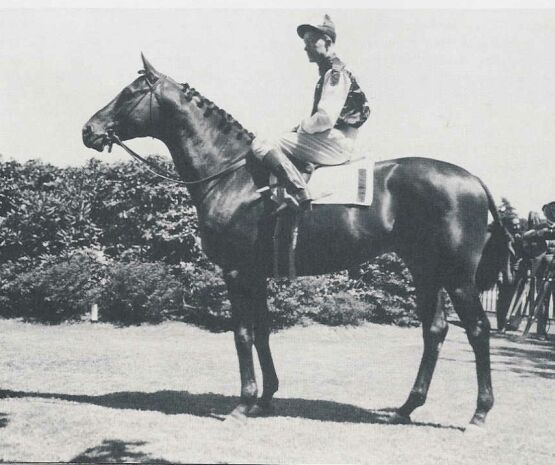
(334, 238)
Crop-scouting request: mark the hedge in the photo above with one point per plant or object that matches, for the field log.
(115, 235)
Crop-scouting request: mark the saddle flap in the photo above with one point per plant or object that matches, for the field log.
(351, 183)
(348, 184)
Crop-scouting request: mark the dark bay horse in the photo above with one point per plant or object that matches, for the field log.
(432, 214)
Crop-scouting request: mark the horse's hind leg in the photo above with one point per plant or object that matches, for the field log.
(434, 330)
(469, 308)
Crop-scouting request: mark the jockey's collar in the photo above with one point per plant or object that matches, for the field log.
(326, 63)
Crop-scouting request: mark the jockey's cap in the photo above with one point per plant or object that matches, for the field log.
(327, 27)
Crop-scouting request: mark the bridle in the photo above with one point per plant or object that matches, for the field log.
(112, 138)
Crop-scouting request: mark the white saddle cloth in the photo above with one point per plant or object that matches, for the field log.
(348, 184)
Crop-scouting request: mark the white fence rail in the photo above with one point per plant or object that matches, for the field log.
(489, 299)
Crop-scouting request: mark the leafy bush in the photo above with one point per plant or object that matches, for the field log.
(337, 300)
(147, 230)
(343, 309)
(205, 296)
(136, 292)
(43, 210)
(120, 207)
(386, 284)
(293, 302)
(58, 289)
(142, 213)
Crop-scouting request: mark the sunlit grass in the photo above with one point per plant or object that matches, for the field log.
(96, 393)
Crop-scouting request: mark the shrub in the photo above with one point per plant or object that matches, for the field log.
(58, 289)
(120, 207)
(205, 296)
(342, 309)
(136, 292)
(140, 212)
(386, 284)
(294, 302)
(49, 215)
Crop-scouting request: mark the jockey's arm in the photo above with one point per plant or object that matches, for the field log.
(335, 90)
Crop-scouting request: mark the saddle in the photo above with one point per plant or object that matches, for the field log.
(350, 183)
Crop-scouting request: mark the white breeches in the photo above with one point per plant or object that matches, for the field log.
(331, 147)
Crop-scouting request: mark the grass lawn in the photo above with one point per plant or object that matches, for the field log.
(97, 393)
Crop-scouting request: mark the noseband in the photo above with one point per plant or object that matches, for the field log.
(113, 138)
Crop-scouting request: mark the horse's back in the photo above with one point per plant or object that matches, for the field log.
(425, 182)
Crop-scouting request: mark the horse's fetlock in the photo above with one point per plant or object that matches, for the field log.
(249, 393)
(485, 402)
(417, 398)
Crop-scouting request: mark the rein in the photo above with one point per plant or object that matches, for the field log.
(114, 139)
(149, 166)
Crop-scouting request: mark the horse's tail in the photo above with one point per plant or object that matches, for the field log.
(496, 253)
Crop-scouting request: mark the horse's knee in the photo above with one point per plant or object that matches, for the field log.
(480, 330)
(459, 295)
(438, 330)
(243, 338)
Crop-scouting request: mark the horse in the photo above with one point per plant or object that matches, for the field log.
(433, 214)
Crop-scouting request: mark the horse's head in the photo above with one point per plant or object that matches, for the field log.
(134, 112)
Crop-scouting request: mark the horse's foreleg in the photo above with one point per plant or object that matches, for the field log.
(434, 329)
(467, 305)
(241, 297)
(262, 344)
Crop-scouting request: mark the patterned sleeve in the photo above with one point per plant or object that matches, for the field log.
(334, 94)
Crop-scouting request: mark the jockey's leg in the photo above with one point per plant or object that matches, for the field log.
(273, 159)
(326, 148)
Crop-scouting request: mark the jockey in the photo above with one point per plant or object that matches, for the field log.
(327, 136)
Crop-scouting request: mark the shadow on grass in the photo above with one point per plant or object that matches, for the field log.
(525, 356)
(111, 451)
(217, 405)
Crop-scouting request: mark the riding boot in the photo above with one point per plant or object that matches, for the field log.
(288, 174)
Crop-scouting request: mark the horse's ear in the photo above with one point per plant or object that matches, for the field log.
(150, 72)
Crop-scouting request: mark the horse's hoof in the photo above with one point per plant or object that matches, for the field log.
(237, 417)
(258, 410)
(474, 429)
(399, 419)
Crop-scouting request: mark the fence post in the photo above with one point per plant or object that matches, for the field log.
(94, 313)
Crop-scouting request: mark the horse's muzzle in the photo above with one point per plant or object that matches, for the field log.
(93, 139)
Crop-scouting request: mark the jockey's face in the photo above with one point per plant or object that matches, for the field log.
(315, 46)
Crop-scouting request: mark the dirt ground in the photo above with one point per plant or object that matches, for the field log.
(97, 393)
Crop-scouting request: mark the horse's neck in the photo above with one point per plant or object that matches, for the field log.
(203, 150)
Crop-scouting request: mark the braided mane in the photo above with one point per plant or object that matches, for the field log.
(227, 122)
